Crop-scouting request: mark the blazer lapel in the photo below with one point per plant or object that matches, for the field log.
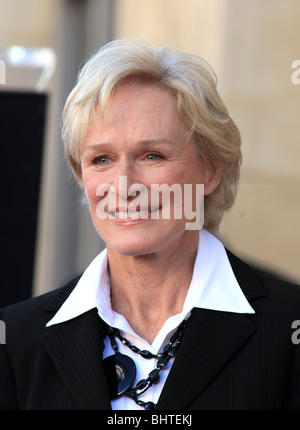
(211, 339)
(75, 348)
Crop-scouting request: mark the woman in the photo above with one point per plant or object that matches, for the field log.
(164, 317)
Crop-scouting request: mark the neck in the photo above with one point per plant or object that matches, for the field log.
(148, 289)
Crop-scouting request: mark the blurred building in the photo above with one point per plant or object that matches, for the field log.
(251, 45)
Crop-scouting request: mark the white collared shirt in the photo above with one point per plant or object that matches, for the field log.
(213, 286)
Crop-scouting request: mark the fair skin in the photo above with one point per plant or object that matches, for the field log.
(150, 260)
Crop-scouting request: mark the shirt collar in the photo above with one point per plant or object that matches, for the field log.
(213, 286)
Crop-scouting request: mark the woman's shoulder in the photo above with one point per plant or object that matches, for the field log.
(258, 281)
(31, 315)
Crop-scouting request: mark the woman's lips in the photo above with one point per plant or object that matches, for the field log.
(132, 213)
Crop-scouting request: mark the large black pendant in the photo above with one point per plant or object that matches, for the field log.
(120, 373)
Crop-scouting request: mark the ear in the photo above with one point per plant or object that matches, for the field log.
(212, 178)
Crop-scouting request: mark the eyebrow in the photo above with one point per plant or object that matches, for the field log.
(99, 146)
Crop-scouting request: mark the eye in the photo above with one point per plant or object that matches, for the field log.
(102, 159)
(153, 156)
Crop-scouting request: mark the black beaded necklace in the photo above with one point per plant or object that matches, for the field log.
(121, 370)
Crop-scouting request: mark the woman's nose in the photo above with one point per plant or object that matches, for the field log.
(124, 177)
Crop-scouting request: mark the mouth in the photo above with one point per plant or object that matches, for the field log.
(133, 213)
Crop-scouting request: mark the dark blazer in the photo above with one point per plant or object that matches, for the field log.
(226, 360)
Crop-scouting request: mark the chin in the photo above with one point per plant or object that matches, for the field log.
(133, 249)
(138, 241)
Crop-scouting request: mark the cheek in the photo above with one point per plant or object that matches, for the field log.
(169, 176)
(90, 185)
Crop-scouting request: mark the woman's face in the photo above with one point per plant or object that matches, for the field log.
(141, 140)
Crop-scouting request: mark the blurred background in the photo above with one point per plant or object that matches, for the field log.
(47, 236)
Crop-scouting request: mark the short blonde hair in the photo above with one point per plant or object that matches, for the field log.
(193, 83)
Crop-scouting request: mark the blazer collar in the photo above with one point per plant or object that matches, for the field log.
(248, 278)
(60, 296)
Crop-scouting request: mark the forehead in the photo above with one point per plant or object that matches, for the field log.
(137, 91)
(137, 108)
